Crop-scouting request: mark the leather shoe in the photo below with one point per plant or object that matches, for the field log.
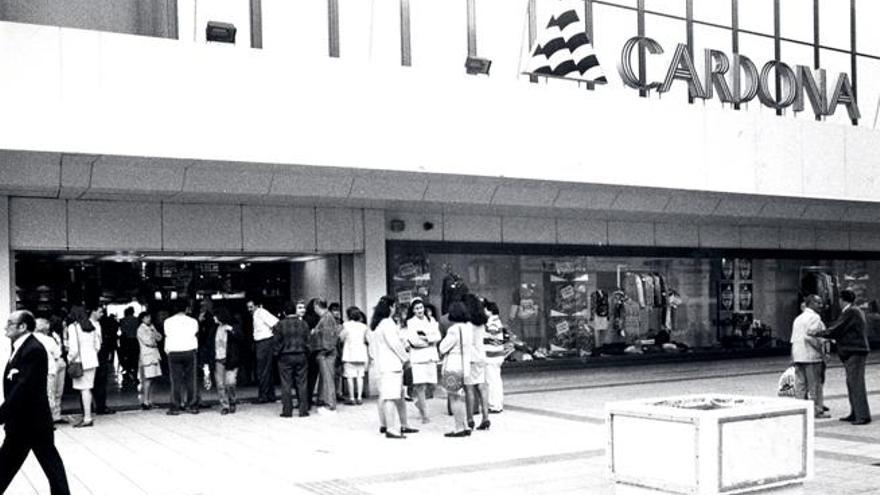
(286, 415)
(486, 424)
(849, 418)
(456, 434)
(84, 424)
(407, 429)
(859, 422)
(382, 429)
(822, 415)
(388, 434)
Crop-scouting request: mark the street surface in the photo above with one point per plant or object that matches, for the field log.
(550, 439)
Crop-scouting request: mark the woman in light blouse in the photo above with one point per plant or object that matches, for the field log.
(150, 359)
(457, 349)
(84, 341)
(390, 355)
(423, 334)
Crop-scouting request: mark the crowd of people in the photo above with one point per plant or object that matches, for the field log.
(320, 358)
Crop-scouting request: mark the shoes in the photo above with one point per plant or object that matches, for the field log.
(388, 434)
(407, 429)
(84, 424)
(859, 422)
(60, 421)
(224, 411)
(485, 424)
(462, 433)
(349, 402)
(194, 410)
(496, 411)
(105, 411)
(358, 402)
(382, 429)
(408, 399)
(825, 409)
(849, 418)
(173, 412)
(822, 415)
(146, 407)
(304, 415)
(232, 408)
(471, 424)
(286, 415)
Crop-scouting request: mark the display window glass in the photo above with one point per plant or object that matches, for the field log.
(590, 306)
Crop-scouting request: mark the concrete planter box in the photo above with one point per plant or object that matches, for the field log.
(710, 444)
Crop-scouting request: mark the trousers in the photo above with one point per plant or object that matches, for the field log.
(327, 368)
(182, 367)
(293, 371)
(808, 384)
(854, 365)
(14, 451)
(266, 389)
(496, 386)
(226, 382)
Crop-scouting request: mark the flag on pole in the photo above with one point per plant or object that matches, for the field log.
(564, 50)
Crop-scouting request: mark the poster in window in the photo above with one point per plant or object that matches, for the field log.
(745, 297)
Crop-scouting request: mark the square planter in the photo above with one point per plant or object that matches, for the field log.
(710, 444)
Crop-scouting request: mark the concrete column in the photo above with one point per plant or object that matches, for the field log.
(374, 258)
(7, 282)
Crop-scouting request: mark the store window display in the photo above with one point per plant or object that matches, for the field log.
(590, 306)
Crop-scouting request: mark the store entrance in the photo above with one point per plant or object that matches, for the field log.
(51, 284)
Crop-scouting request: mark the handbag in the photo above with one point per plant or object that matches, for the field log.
(75, 368)
(453, 380)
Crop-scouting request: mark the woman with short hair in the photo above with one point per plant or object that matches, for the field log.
(389, 354)
(150, 359)
(457, 351)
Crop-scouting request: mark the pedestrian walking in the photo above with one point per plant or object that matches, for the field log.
(227, 355)
(84, 342)
(263, 323)
(181, 346)
(290, 341)
(852, 348)
(25, 413)
(807, 354)
(423, 335)
(389, 354)
(149, 358)
(354, 353)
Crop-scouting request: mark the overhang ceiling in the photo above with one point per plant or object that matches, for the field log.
(118, 178)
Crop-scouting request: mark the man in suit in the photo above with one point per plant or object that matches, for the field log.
(852, 347)
(25, 414)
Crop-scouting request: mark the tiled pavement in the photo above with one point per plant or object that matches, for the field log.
(550, 439)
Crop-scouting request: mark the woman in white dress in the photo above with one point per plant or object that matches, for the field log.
(84, 341)
(423, 334)
(477, 389)
(354, 353)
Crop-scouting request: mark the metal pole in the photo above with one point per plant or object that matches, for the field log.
(816, 41)
(533, 30)
(777, 51)
(852, 53)
(734, 33)
(405, 40)
(256, 23)
(689, 25)
(588, 29)
(333, 27)
(640, 27)
(471, 28)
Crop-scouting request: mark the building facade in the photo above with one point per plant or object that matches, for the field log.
(339, 148)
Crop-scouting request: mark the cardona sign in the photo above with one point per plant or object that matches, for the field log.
(745, 81)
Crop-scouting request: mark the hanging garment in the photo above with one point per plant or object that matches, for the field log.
(640, 289)
(649, 290)
(599, 303)
(631, 319)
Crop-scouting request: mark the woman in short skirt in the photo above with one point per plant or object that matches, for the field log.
(354, 353)
(148, 339)
(83, 343)
(423, 334)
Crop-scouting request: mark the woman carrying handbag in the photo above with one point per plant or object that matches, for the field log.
(83, 345)
(456, 349)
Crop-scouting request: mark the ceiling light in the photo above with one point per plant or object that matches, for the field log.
(266, 259)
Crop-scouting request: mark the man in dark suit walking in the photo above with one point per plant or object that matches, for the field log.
(25, 411)
(852, 347)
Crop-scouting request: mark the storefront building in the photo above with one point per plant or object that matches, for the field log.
(341, 149)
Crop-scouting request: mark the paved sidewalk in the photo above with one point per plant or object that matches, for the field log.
(550, 439)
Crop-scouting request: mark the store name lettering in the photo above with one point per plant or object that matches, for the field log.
(740, 81)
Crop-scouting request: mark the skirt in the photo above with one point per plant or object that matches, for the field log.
(151, 370)
(424, 373)
(85, 382)
(391, 385)
(477, 375)
(354, 370)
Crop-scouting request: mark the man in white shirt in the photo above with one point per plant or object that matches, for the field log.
(53, 351)
(807, 354)
(264, 321)
(181, 345)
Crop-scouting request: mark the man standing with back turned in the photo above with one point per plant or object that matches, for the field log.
(807, 354)
(852, 348)
(25, 413)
